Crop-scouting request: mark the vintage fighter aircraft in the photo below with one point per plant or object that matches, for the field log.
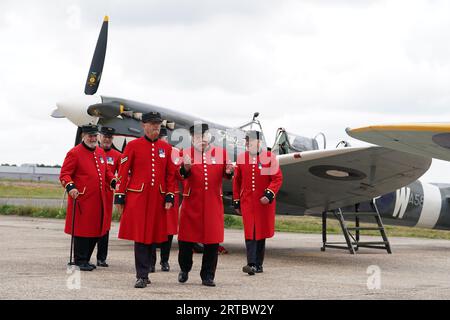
(316, 181)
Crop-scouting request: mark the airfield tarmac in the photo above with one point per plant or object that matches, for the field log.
(34, 253)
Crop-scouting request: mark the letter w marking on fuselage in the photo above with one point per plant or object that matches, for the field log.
(401, 202)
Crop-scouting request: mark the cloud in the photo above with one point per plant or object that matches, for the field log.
(173, 12)
(309, 66)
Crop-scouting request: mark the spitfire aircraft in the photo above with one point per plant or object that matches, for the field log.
(374, 178)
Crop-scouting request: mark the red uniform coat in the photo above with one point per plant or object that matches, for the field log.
(86, 170)
(201, 212)
(113, 162)
(146, 173)
(173, 214)
(254, 175)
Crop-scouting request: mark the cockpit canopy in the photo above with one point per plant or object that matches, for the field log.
(286, 142)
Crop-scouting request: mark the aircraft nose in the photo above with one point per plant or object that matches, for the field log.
(75, 109)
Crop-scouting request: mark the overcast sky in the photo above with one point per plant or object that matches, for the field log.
(309, 66)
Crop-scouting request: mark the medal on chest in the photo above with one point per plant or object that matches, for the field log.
(162, 153)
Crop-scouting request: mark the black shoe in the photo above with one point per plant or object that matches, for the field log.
(152, 269)
(251, 270)
(165, 266)
(208, 283)
(183, 276)
(102, 263)
(259, 269)
(85, 267)
(141, 283)
(92, 265)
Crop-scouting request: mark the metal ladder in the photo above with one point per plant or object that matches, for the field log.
(352, 241)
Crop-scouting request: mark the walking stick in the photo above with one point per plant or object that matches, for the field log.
(71, 263)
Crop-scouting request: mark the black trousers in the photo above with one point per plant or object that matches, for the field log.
(102, 247)
(209, 260)
(83, 248)
(255, 251)
(165, 250)
(142, 259)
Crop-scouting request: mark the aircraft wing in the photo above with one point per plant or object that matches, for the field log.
(425, 139)
(328, 179)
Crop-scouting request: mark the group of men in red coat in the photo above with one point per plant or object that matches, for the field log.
(146, 195)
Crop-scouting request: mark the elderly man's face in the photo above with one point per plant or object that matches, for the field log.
(151, 129)
(253, 145)
(90, 140)
(201, 141)
(105, 141)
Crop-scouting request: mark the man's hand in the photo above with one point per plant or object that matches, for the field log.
(74, 193)
(168, 205)
(229, 169)
(187, 162)
(264, 200)
(238, 211)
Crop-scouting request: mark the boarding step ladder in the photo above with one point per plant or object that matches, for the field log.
(352, 234)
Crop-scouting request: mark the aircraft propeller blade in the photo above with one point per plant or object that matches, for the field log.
(78, 136)
(95, 71)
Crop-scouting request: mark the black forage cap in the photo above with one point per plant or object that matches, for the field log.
(107, 131)
(199, 127)
(89, 129)
(151, 116)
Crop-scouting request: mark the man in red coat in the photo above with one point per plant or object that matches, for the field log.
(144, 192)
(172, 221)
(201, 214)
(113, 161)
(87, 178)
(257, 179)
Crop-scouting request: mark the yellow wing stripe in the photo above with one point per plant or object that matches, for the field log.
(430, 127)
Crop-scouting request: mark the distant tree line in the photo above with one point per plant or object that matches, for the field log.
(46, 166)
(40, 165)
